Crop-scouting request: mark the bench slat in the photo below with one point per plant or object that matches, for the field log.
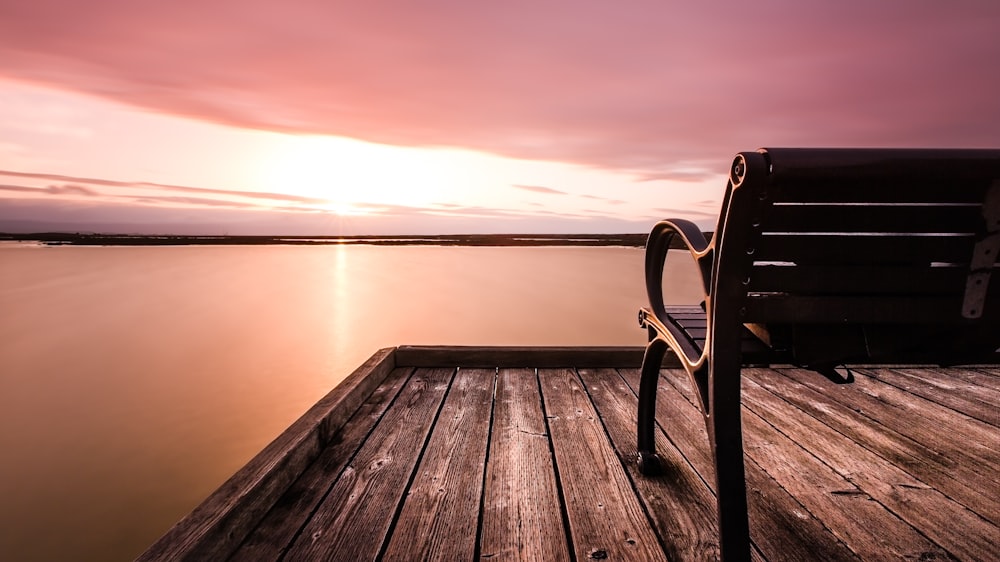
(963, 218)
(900, 165)
(863, 280)
(841, 190)
(784, 308)
(875, 250)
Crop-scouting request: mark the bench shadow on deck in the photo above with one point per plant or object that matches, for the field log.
(507, 454)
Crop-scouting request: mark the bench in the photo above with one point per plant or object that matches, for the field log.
(824, 258)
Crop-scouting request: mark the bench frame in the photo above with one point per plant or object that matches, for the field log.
(734, 326)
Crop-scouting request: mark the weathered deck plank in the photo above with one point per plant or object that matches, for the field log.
(683, 511)
(866, 527)
(941, 388)
(442, 461)
(983, 376)
(356, 516)
(606, 519)
(440, 516)
(955, 480)
(921, 419)
(520, 480)
(911, 500)
(781, 528)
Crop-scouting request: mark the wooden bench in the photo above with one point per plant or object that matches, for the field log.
(824, 258)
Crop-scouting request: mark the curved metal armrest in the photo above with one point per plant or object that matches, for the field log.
(657, 247)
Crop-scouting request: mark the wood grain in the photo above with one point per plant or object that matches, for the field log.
(355, 518)
(781, 528)
(920, 419)
(606, 520)
(679, 502)
(957, 481)
(948, 524)
(946, 389)
(522, 516)
(865, 526)
(439, 519)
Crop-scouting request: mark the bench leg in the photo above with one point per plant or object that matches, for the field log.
(649, 463)
(726, 432)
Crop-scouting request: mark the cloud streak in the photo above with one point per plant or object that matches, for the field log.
(652, 87)
(80, 190)
(539, 189)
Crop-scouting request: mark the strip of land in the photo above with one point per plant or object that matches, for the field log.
(89, 239)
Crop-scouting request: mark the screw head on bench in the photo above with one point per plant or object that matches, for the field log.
(739, 170)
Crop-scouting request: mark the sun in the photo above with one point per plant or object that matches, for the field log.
(345, 175)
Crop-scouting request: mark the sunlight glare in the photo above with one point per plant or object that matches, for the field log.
(350, 173)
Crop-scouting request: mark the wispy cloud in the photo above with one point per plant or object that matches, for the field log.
(605, 200)
(75, 188)
(177, 200)
(21, 189)
(688, 173)
(70, 189)
(539, 189)
(65, 189)
(671, 212)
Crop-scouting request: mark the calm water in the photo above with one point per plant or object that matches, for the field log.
(136, 380)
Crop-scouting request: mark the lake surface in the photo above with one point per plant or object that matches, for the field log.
(135, 380)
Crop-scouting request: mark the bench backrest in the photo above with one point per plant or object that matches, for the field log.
(864, 237)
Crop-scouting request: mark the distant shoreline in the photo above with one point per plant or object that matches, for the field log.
(85, 239)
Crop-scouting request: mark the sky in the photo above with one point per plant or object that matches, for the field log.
(328, 117)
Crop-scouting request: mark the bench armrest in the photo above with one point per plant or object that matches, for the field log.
(657, 246)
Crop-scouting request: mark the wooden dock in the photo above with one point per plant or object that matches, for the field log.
(528, 454)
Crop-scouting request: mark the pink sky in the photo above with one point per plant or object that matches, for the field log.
(515, 116)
